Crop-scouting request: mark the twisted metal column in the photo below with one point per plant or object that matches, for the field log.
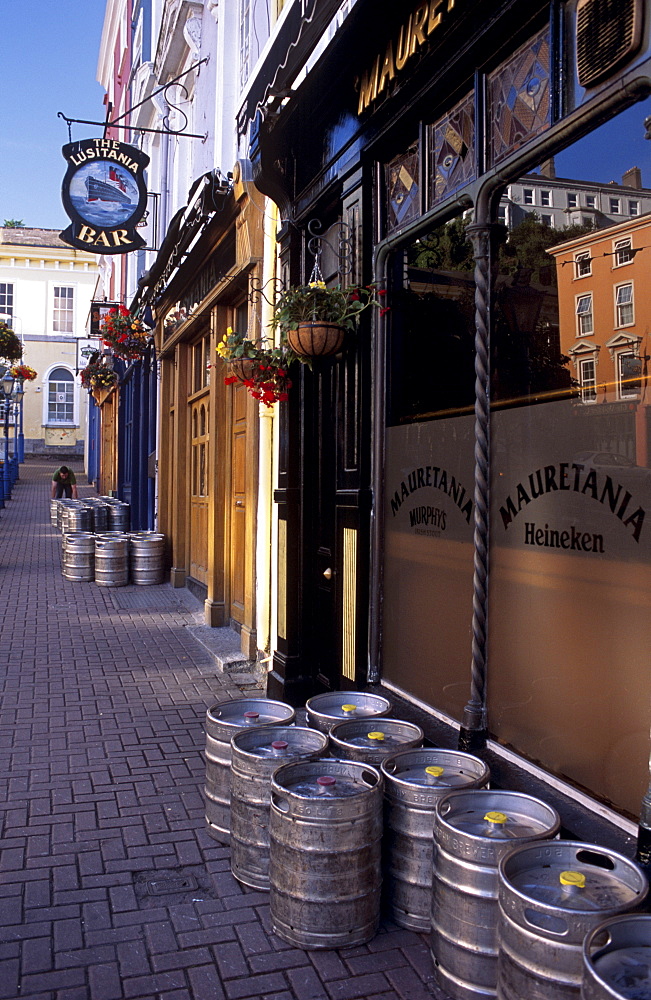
(473, 727)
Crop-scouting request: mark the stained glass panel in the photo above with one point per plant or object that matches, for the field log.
(452, 150)
(403, 188)
(519, 105)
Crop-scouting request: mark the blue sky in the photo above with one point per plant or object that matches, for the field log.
(49, 61)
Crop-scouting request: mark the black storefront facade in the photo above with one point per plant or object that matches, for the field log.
(443, 532)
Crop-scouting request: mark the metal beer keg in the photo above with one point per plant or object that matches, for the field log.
(472, 832)
(79, 556)
(147, 557)
(223, 721)
(111, 560)
(550, 897)
(77, 518)
(414, 781)
(324, 710)
(325, 850)
(617, 959)
(256, 754)
(373, 740)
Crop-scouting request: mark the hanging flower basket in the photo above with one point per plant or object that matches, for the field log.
(97, 376)
(263, 370)
(244, 369)
(313, 319)
(316, 340)
(23, 372)
(11, 348)
(125, 334)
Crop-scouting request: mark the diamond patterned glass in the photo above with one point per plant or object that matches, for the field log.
(403, 189)
(452, 150)
(519, 105)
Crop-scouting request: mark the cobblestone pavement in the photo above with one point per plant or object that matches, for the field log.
(104, 693)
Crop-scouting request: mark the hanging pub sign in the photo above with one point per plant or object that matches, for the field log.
(104, 194)
(99, 310)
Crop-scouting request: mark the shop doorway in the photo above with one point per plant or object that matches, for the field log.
(199, 490)
(239, 502)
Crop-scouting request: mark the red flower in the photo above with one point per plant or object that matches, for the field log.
(385, 310)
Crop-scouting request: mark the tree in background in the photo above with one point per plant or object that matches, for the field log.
(13, 224)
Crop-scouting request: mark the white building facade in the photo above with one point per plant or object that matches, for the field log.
(46, 289)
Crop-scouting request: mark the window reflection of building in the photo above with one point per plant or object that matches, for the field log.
(584, 315)
(573, 201)
(588, 380)
(605, 331)
(624, 305)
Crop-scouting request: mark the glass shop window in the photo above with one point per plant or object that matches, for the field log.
(570, 493)
(200, 364)
(429, 465)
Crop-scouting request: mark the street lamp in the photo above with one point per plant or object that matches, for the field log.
(21, 436)
(18, 394)
(7, 389)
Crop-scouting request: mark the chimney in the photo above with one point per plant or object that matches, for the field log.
(633, 178)
(548, 168)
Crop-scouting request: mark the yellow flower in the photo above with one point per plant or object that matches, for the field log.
(317, 284)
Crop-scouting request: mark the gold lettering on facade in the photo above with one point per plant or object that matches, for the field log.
(404, 43)
(418, 26)
(368, 87)
(435, 15)
(388, 69)
(412, 35)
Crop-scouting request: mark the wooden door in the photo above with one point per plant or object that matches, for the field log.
(199, 488)
(240, 560)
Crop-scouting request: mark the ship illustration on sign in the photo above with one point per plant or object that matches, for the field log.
(112, 189)
(104, 194)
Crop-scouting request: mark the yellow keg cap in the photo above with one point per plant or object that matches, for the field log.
(375, 736)
(435, 771)
(496, 817)
(572, 878)
(348, 708)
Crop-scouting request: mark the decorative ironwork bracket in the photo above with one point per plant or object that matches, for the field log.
(136, 128)
(343, 252)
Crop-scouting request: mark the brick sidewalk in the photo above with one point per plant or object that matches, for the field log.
(104, 693)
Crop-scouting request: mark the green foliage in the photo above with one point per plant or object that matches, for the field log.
(11, 348)
(526, 245)
(315, 302)
(446, 248)
(13, 224)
